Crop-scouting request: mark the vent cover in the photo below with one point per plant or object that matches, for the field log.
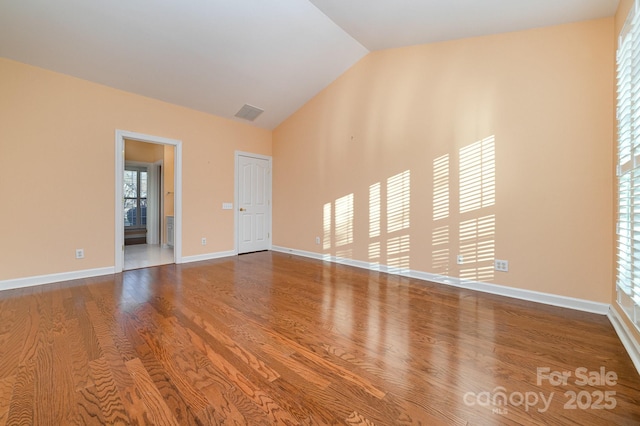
(249, 112)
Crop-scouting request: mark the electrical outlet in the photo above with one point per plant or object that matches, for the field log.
(317, 240)
(460, 260)
(204, 241)
(79, 253)
(502, 265)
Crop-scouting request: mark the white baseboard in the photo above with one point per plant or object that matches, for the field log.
(342, 260)
(54, 278)
(626, 337)
(516, 293)
(207, 256)
(312, 255)
(88, 273)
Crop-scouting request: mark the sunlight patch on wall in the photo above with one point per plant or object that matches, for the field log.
(345, 253)
(441, 187)
(477, 245)
(398, 201)
(478, 175)
(374, 210)
(389, 220)
(326, 225)
(440, 250)
(344, 220)
(398, 251)
(338, 227)
(375, 217)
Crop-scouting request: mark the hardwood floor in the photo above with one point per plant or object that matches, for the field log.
(269, 338)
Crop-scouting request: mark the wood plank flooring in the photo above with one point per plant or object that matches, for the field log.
(269, 338)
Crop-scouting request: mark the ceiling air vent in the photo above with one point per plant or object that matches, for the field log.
(249, 112)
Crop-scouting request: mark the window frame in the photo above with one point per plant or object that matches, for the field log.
(628, 168)
(137, 198)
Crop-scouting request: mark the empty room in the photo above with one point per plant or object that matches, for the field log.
(360, 212)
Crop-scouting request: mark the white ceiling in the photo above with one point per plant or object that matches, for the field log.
(217, 55)
(385, 24)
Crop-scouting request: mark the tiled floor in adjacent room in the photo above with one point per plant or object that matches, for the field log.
(146, 255)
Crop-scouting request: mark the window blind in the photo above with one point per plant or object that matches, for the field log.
(628, 168)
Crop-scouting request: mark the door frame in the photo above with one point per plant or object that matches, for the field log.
(154, 198)
(236, 198)
(121, 135)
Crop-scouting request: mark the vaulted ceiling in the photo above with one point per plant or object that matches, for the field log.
(217, 55)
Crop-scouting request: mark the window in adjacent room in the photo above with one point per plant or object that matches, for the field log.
(135, 197)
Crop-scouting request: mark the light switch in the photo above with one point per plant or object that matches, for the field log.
(227, 206)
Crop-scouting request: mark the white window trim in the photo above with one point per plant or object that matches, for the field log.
(628, 172)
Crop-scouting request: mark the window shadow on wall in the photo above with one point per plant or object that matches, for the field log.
(463, 218)
(464, 235)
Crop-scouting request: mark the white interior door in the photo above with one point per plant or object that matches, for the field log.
(254, 203)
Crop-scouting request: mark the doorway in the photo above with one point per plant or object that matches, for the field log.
(147, 205)
(253, 201)
(148, 201)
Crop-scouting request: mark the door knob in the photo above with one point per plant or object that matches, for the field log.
(242, 209)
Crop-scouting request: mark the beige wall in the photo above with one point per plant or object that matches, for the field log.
(57, 162)
(143, 152)
(544, 95)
